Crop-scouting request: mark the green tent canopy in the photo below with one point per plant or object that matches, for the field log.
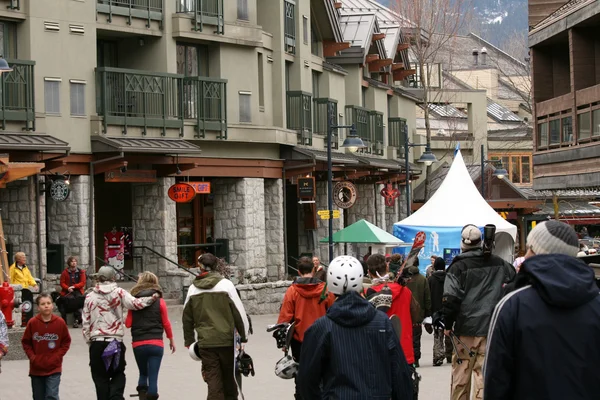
(364, 232)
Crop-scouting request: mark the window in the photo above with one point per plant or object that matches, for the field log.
(315, 84)
(261, 82)
(525, 169)
(567, 129)
(554, 132)
(242, 10)
(305, 29)
(515, 169)
(288, 66)
(314, 41)
(52, 95)
(364, 97)
(289, 26)
(596, 122)
(584, 124)
(192, 60)
(519, 166)
(78, 98)
(8, 40)
(542, 135)
(245, 107)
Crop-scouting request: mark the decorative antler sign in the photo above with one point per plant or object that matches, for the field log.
(390, 194)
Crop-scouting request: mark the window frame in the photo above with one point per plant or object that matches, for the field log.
(245, 95)
(261, 81)
(9, 40)
(200, 50)
(47, 82)
(509, 166)
(242, 10)
(74, 84)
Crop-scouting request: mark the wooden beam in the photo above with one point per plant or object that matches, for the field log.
(375, 66)
(400, 75)
(17, 171)
(330, 48)
(403, 46)
(371, 57)
(109, 166)
(54, 164)
(171, 169)
(74, 169)
(397, 66)
(378, 36)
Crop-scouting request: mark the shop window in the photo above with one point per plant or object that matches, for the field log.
(584, 126)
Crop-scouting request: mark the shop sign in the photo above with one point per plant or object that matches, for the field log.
(131, 175)
(344, 194)
(181, 193)
(306, 188)
(200, 187)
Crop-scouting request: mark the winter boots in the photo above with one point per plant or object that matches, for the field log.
(142, 392)
(151, 397)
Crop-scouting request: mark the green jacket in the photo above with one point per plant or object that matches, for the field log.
(213, 310)
(421, 293)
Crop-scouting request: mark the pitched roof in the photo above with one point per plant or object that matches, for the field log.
(562, 12)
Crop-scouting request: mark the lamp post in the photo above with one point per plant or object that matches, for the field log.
(352, 143)
(500, 173)
(4, 67)
(427, 158)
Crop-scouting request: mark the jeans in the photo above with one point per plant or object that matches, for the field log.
(45, 387)
(110, 385)
(148, 359)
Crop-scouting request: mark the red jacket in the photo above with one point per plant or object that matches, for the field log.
(301, 304)
(65, 282)
(401, 298)
(45, 344)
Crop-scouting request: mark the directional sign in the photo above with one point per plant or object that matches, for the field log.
(324, 214)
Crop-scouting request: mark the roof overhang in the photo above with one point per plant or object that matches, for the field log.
(104, 144)
(31, 142)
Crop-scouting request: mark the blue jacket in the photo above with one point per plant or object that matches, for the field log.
(544, 339)
(355, 354)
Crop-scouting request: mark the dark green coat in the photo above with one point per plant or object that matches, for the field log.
(420, 289)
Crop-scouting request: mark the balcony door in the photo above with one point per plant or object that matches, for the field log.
(13, 87)
(192, 60)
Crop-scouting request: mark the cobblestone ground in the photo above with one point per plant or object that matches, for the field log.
(180, 376)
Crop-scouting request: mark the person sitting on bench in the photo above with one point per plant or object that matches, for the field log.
(72, 283)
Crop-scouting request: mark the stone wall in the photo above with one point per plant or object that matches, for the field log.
(263, 298)
(274, 229)
(239, 212)
(19, 220)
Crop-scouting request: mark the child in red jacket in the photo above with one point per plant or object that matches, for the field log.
(46, 341)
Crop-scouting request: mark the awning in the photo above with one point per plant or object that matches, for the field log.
(573, 212)
(31, 142)
(319, 155)
(389, 164)
(101, 144)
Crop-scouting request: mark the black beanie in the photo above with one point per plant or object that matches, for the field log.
(439, 264)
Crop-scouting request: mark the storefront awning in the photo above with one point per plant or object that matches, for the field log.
(31, 142)
(102, 144)
(319, 155)
(396, 165)
(573, 212)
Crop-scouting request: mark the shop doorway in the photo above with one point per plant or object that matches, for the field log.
(195, 226)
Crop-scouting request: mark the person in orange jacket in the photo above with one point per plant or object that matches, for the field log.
(303, 305)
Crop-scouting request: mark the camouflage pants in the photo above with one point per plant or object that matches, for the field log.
(442, 347)
(471, 366)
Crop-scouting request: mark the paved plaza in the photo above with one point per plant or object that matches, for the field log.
(180, 376)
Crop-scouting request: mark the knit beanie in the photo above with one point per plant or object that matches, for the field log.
(553, 237)
(439, 264)
(470, 238)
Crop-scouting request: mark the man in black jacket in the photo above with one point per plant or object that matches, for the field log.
(473, 286)
(353, 351)
(544, 336)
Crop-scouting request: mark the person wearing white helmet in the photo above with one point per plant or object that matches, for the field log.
(353, 351)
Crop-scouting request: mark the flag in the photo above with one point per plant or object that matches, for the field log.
(457, 148)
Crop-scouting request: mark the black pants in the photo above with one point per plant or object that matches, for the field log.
(217, 372)
(296, 348)
(417, 333)
(110, 385)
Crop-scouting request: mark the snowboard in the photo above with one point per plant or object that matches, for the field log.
(418, 244)
(396, 325)
(26, 306)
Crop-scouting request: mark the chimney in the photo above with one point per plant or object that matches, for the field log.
(475, 56)
(483, 56)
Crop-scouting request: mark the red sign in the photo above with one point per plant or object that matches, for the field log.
(200, 187)
(181, 193)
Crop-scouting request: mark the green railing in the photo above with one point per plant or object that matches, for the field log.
(208, 12)
(289, 26)
(205, 100)
(150, 10)
(138, 98)
(376, 130)
(396, 134)
(321, 118)
(299, 115)
(360, 117)
(18, 94)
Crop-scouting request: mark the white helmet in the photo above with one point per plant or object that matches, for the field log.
(286, 368)
(345, 273)
(193, 351)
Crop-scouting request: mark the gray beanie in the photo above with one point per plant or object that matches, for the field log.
(553, 237)
(470, 238)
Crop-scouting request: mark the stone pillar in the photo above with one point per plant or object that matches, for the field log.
(19, 220)
(154, 218)
(239, 212)
(69, 222)
(274, 229)
(380, 207)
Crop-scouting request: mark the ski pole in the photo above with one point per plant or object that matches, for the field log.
(471, 352)
(458, 359)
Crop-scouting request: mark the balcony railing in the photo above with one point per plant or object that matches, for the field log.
(321, 117)
(138, 98)
(14, 4)
(205, 100)
(376, 130)
(17, 94)
(299, 115)
(208, 12)
(150, 10)
(396, 134)
(289, 26)
(359, 116)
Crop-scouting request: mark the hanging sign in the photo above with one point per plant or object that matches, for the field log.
(344, 194)
(181, 192)
(306, 188)
(390, 194)
(200, 187)
(59, 190)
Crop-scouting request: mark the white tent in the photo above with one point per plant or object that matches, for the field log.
(457, 203)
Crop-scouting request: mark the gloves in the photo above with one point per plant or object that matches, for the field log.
(427, 322)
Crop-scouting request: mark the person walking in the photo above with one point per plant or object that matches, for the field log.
(543, 337)
(147, 327)
(103, 330)
(436, 287)
(419, 287)
(473, 286)
(352, 352)
(46, 341)
(213, 312)
(302, 304)
(72, 283)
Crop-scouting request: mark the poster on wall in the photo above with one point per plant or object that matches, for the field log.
(114, 248)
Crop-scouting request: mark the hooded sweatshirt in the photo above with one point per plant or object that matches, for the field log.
(354, 353)
(103, 310)
(436, 287)
(302, 304)
(45, 344)
(543, 338)
(213, 311)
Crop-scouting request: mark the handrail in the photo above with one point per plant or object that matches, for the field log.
(164, 258)
(119, 271)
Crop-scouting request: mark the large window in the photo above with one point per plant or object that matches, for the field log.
(192, 60)
(519, 167)
(8, 40)
(289, 26)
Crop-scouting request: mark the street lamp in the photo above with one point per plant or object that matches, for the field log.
(499, 173)
(4, 67)
(426, 158)
(352, 143)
